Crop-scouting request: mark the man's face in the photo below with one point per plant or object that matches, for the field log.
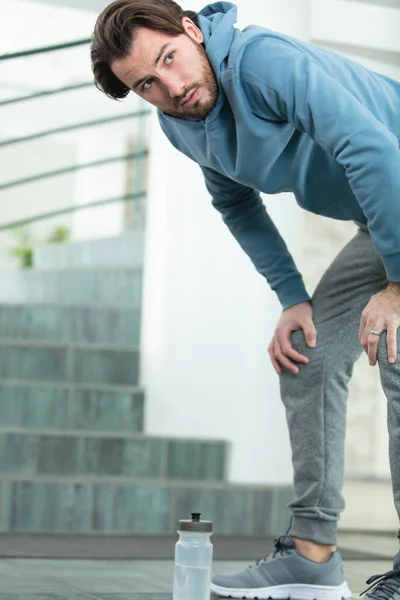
(172, 73)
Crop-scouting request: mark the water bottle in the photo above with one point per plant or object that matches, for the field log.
(193, 560)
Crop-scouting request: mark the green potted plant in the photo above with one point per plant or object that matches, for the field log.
(24, 250)
(59, 235)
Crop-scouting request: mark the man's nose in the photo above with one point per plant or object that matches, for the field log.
(174, 85)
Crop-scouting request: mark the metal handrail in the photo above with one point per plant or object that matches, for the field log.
(44, 49)
(74, 126)
(64, 171)
(70, 209)
(67, 88)
(59, 130)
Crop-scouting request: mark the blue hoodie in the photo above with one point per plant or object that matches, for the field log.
(294, 117)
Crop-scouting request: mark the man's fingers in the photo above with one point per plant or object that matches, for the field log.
(271, 351)
(373, 341)
(391, 342)
(381, 314)
(290, 352)
(366, 334)
(310, 334)
(295, 318)
(285, 342)
(361, 330)
(283, 360)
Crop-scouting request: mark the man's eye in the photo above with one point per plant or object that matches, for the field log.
(147, 85)
(169, 58)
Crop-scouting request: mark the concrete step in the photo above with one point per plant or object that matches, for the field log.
(69, 363)
(65, 406)
(66, 453)
(81, 324)
(123, 251)
(105, 287)
(142, 507)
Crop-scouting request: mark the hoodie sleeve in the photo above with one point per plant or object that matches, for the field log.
(301, 92)
(245, 215)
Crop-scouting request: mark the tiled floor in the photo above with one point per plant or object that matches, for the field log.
(140, 580)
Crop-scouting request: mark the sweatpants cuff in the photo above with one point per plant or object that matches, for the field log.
(314, 530)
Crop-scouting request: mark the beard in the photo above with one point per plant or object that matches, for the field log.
(199, 110)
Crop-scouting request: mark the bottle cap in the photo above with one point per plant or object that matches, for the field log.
(195, 525)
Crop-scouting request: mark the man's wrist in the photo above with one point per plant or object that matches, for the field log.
(394, 286)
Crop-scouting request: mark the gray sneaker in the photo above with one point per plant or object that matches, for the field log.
(286, 574)
(386, 586)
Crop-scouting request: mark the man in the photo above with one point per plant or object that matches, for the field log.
(262, 112)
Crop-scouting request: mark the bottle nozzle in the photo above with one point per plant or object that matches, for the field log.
(196, 517)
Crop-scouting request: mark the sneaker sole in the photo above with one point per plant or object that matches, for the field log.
(282, 592)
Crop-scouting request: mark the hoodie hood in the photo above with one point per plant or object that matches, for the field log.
(216, 22)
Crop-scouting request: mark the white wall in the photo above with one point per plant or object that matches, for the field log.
(209, 315)
(89, 5)
(357, 23)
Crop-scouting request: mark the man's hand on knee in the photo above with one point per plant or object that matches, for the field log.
(280, 349)
(382, 313)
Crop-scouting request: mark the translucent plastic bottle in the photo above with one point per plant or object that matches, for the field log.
(193, 560)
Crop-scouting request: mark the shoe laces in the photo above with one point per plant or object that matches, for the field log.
(383, 586)
(282, 546)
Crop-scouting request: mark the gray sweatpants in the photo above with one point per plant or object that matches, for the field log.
(315, 399)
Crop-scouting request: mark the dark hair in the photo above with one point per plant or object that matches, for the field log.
(114, 34)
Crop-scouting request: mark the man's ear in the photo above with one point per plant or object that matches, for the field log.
(192, 30)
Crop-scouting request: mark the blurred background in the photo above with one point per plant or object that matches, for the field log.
(135, 383)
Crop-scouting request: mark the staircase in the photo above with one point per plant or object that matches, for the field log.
(74, 456)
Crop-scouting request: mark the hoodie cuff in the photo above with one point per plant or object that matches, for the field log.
(292, 291)
(392, 266)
